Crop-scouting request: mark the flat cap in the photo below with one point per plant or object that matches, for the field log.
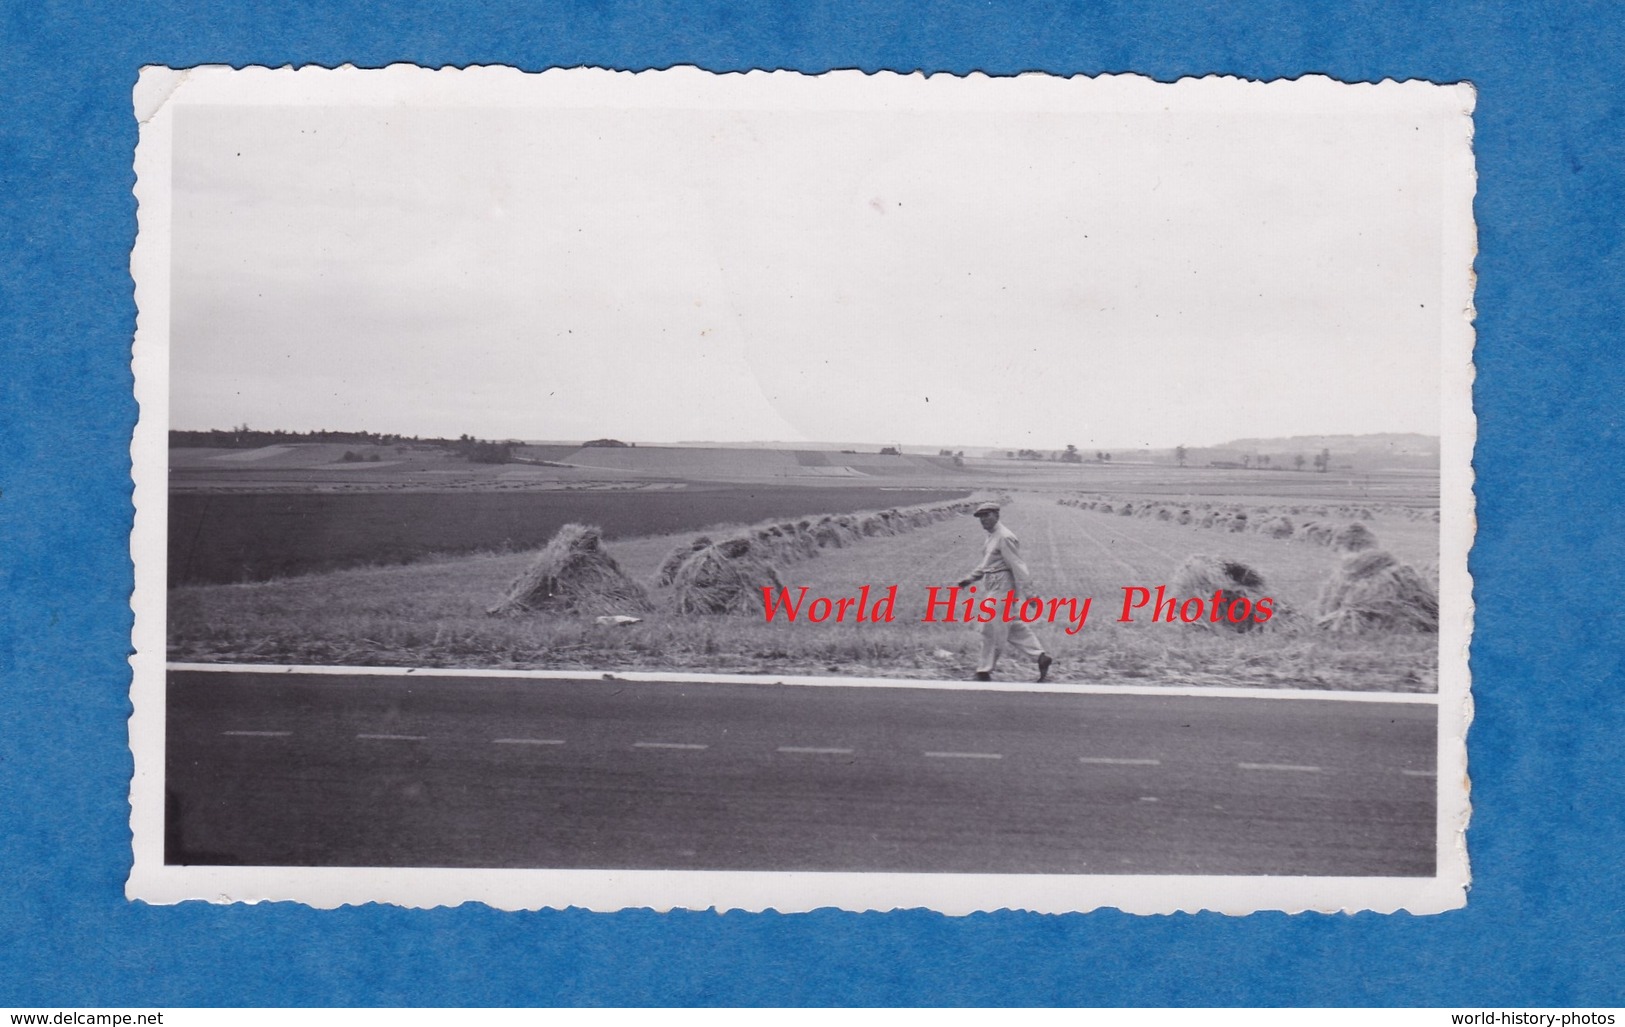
(988, 507)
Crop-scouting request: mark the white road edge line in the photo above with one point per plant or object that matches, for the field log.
(256, 734)
(1114, 761)
(1416, 698)
(394, 738)
(667, 745)
(1298, 767)
(813, 749)
(967, 755)
(527, 741)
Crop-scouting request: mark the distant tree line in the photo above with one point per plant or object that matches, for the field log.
(244, 437)
(1321, 460)
(474, 450)
(477, 451)
(1070, 455)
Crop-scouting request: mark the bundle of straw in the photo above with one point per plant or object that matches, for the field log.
(1373, 591)
(1276, 527)
(573, 574)
(675, 558)
(727, 577)
(1352, 538)
(1202, 576)
(1318, 532)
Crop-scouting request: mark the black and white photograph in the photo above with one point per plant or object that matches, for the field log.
(778, 491)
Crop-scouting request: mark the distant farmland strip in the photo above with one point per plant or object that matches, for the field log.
(225, 537)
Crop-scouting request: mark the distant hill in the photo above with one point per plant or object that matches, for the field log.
(1390, 451)
(1388, 444)
(1382, 451)
(727, 463)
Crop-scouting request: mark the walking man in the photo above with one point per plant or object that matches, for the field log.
(1002, 570)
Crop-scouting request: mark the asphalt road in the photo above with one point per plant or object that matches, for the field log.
(328, 770)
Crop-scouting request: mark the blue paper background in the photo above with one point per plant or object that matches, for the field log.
(1544, 923)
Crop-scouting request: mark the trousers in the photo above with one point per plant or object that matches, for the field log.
(996, 634)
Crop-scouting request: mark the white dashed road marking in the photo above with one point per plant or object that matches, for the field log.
(816, 750)
(1419, 773)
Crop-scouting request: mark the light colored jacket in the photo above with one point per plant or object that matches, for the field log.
(1002, 568)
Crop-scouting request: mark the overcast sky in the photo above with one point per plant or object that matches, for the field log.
(923, 276)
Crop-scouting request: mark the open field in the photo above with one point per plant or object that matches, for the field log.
(220, 537)
(322, 467)
(279, 510)
(432, 613)
(1163, 481)
(350, 467)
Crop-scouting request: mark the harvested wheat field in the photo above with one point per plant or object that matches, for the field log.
(434, 614)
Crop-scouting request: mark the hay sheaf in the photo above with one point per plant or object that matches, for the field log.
(675, 558)
(1318, 532)
(829, 534)
(727, 577)
(573, 574)
(786, 542)
(1353, 538)
(1373, 591)
(799, 539)
(1276, 527)
(1202, 576)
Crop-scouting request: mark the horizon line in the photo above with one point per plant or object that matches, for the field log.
(821, 444)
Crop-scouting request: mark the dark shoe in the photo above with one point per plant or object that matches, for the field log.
(1043, 666)
(982, 675)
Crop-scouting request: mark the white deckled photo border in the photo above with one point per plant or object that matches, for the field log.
(161, 92)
